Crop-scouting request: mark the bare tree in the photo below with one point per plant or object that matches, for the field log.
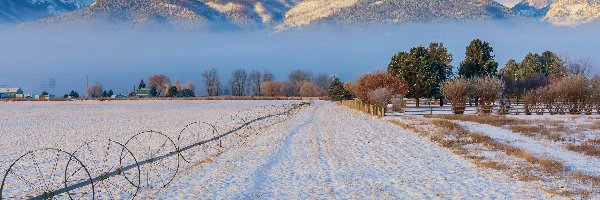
(299, 76)
(268, 76)
(274, 88)
(380, 97)
(95, 91)
(309, 89)
(177, 85)
(579, 66)
(457, 92)
(160, 83)
(487, 89)
(238, 82)
(323, 81)
(296, 79)
(255, 82)
(212, 82)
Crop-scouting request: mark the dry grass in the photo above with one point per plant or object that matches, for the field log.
(590, 147)
(547, 164)
(555, 175)
(482, 119)
(492, 165)
(528, 178)
(413, 128)
(550, 130)
(594, 125)
(540, 131)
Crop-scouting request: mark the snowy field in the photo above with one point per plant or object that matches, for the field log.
(322, 151)
(561, 153)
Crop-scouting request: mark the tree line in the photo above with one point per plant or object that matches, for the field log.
(241, 83)
(426, 72)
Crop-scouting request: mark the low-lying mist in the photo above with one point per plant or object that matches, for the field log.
(29, 58)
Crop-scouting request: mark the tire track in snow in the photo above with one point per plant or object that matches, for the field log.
(330, 152)
(260, 176)
(325, 167)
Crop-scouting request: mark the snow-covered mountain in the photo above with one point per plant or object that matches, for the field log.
(18, 11)
(573, 12)
(283, 14)
(252, 12)
(532, 8)
(391, 11)
(180, 14)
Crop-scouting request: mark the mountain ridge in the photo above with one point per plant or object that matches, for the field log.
(392, 11)
(285, 14)
(573, 12)
(20, 11)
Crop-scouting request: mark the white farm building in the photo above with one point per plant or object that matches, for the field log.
(11, 92)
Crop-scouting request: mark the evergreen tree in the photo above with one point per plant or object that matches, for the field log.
(110, 93)
(153, 92)
(553, 64)
(440, 61)
(479, 60)
(418, 69)
(187, 93)
(104, 93)
(142, 84)
(511, 70)
(173, 92)
(44, 93)
(337, 91)
(73, 94)
(547, 64)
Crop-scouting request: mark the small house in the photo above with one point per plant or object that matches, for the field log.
(118, 96)
(143, 93)
(10, 92)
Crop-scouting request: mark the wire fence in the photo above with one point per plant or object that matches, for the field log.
(147, 160)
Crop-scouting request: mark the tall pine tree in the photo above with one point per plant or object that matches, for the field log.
(142, 84)
(440, 61)
(337, 91)
(479, 60)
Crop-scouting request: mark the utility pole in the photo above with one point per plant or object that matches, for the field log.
(87, 85)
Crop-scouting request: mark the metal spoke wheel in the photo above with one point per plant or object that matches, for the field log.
(47, 174)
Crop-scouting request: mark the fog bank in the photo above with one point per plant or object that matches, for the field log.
(119, 59)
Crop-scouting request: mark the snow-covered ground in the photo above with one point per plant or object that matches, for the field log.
(335, 153)
(104, 127)
(322, 151)
(540, 148)
(569, 140)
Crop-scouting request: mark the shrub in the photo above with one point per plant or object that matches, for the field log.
(398, 105)
(457, 92)
(529, 100)
(274, 88)
(575, 91)
(487, 89)
(372, 82)
(380, 97)
(308, 89)
(595, 91)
